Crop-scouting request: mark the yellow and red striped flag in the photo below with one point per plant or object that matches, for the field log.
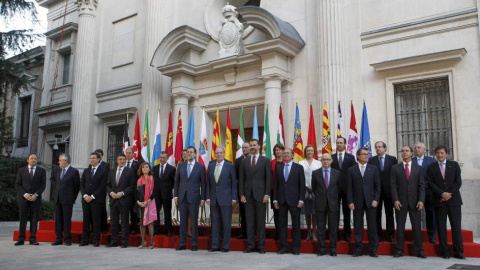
(297, 137)
(216, 140)
(326, 138)
(228, 140)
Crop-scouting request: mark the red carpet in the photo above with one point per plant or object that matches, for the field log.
(46, 233)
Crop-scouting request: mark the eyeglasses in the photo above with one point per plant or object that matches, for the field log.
(364, 154)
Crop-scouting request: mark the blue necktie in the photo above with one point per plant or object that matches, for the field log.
(189, 169)
(92, 173)
(382, 162)
(63, 175)
(287, 171)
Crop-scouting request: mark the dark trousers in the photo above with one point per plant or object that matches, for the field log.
(276, 221)
(63, 221)
(255, 214)
(166, 203)
(25, 210)
(415, 219)
(430, 217)
(91, 214)
(321, 217)
(186, 209)
(133, 216)
(283, 222)
(358, 225)
(104, 218)
(243, 219)
(221, 215)
(347, 230)
(454, 214)
(390, 221)
(117, 211)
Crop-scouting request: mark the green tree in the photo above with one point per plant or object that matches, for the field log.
(17, 41)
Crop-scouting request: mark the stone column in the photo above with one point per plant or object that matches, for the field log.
(180, 102)
(273, 99)
(332, 56)
(83, 91)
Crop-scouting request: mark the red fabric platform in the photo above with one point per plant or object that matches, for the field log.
(46, 233)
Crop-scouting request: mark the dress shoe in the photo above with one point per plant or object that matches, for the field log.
(241, 236)
(112, 245)
(96, 244)
(34, 243)
(373, 254)
(261, 251)
(82, 244)
(57, 243)
(169, 233)
(333, 253)
(347, 238)
(321, 253)
(282, 251)
(390, 239)
(19, 243)
(296, 253)
(124, 246)
(446, 256)
(398, 254)
(460, 256)
(103, 231)
(225, 250)
(431, 241)
(213, 249)
(194, 248)
(421, 255)
(68, 243)
(181, 248)
(249, 250)
(133, 232)
(357, 254)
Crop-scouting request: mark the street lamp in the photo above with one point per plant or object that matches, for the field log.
(57, 137)
(8, 147)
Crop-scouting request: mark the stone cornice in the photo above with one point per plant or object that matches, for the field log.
(67, 29)
(275, 45)
(129, 111)
(452, 55)
(119, 92)
(55, 125)
(54, 108)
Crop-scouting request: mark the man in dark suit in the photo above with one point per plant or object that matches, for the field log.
(67, 186)
(120, 189)
(105, 167)
(93, 188)
(238, 161)
(363, 195)
(221, 196)
(408, 195)
(276, 161)
(164, 176)
(325, 186)
(424, 161)
(445, 180)
(188, 195)
(384, 164)
(254, 176)
(30, 184)
(288, 196)
(341, 162)
(133, 165)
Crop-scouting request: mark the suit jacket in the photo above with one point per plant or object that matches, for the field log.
(426, 162)
(348, 161)
(256, 182)
(66, 189)
(386, 173)
(126, 184)
(163, 186)
(134, 167)
(408, 192)
(292, 190)
(364, 189)
(190, 186)
(238, 161)
(452, 183)
(225, 191)
(96, 186)
(324, 195)
(273, 164)
(36, 185)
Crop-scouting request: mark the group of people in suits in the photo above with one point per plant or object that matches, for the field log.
(340, 181)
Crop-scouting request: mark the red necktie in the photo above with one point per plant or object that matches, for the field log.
(31, 173)
(253, 163)
(407, 171)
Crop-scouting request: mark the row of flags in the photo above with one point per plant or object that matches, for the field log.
(141, 146)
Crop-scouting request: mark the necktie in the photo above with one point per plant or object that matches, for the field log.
(442, 169)
(63, 174)
(420, 161)
(362, 170)
(31, 173)
(253, 163)
(217, 172)
(340, 159)
(92, 173)
(189, 169)
(128, 164)
(325, 178)
(119, 173)
(382, 163)
(407, 171)
(287, 171)
(161, 171)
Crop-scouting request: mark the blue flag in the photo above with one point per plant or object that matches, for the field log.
(255, 125)
(157, 146)
(365, 132)
(190, 140)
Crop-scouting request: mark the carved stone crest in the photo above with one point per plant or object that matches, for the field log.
(87, 6)
(231, 33)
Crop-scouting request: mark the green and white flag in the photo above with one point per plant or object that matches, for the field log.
(266, 148)
(241, 136)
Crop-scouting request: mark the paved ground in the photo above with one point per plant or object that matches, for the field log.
(46, 256)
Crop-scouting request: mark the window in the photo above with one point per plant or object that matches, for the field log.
(66, 69)
(422, 113)
(24, 132)
(115, 144)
